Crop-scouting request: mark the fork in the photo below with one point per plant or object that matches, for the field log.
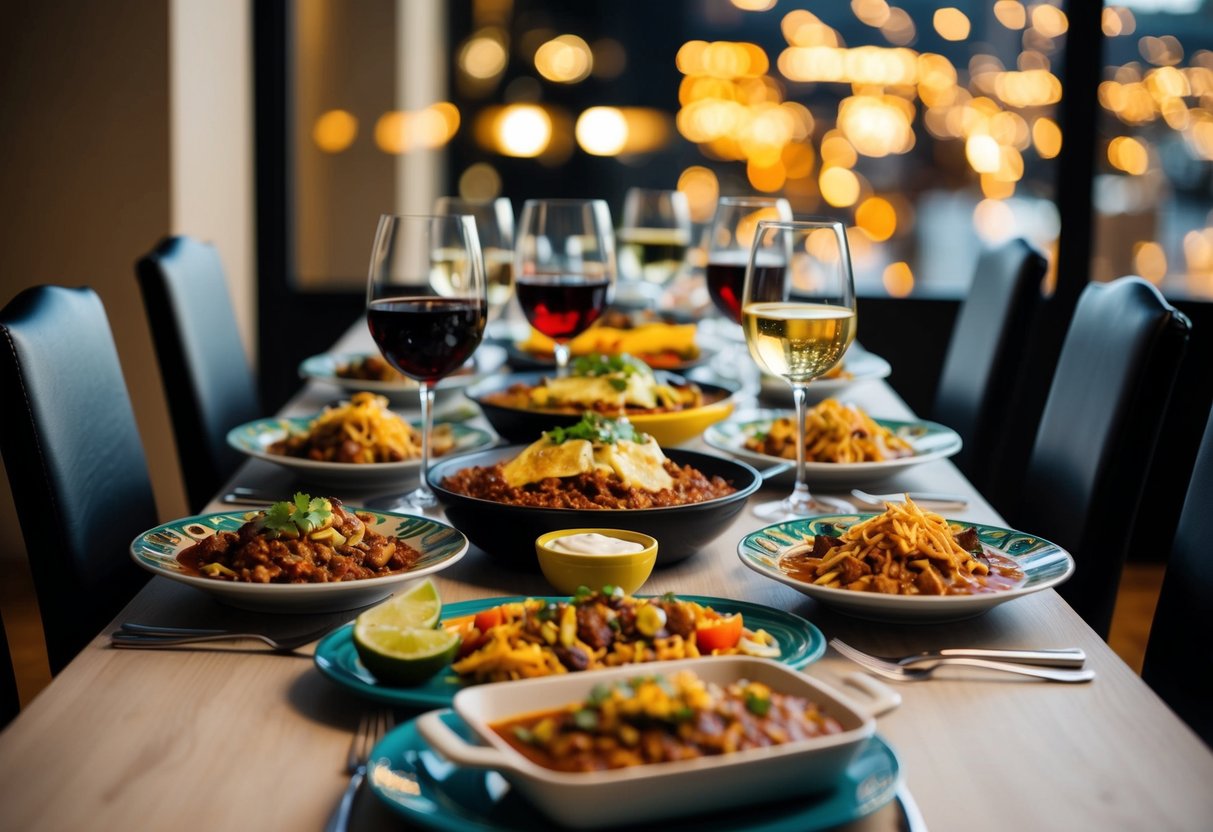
(927, 667)
(1053, 657)
(371, 728)
(151, 637)
(950, 500)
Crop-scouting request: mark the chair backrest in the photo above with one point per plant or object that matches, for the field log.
(10, 703)
(1097, 434)
(1179, 663)
(74, 459)
(985, 354)
(207, 380)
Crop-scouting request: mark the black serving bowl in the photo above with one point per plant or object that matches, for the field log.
(508, 532)
(517, 424)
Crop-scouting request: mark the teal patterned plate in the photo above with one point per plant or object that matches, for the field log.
(1044, 565)
(440, 546)
(931, 441)
(254, 439)
(799, 644)
(431, 792)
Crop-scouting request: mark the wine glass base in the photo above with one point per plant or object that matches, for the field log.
(777, 511)
(417, 500)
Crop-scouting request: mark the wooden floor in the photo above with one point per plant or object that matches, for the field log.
(1130, 625)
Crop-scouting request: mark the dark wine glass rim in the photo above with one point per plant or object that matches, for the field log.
(804, 222)
(428, 217)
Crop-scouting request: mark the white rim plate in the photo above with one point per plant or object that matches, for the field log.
(861, 364)
(440, 545)
(931, 442)
(253, 438)
(1044, 564)
(488, 359)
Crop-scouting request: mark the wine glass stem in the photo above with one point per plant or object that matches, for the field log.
(561, 350)
(424, 493)
(801, 499)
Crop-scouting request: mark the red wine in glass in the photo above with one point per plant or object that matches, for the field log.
(562, 306)
(725, 281)
(426, 338)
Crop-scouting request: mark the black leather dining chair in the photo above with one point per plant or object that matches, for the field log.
(74, 460)
(985, 355)
(1179, 661)
(10, 702)
(207, 380)
(1087, 469)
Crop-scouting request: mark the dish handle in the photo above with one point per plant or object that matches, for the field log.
(455, 748)
(880, 697)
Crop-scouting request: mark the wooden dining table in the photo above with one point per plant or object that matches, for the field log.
(236, 737)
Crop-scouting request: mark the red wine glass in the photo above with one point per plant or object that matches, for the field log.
(729, 240)
(564, 267)
(426, 306)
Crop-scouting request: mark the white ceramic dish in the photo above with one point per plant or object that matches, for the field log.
(648, 793)
(488, 359)
(440, 545)
(254, 438)
(1044, 565)
(931, 441)
(861, 364)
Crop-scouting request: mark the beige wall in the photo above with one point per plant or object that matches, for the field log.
(84, 173)
(211, 94)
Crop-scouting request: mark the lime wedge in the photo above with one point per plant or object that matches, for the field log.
(419, 608)
(405, 656)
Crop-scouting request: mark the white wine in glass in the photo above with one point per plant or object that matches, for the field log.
(654, 237)
(495, 228)
(798, 315)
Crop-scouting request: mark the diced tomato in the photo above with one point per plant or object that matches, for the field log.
(487, 619)
(721, 634)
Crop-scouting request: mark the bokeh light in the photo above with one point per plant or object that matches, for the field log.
(335, 130)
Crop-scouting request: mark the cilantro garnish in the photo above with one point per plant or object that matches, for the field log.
(303, 515)
(596, 428)
(596, 364)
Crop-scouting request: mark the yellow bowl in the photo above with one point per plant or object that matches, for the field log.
(567, 571)
(675, 428)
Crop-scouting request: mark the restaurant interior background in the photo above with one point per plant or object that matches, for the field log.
(280, 130)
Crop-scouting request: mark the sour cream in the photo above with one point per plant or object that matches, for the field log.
(592, 543)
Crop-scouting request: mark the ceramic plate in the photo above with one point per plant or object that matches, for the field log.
(1044, 564)
(255, 437)
(861, 364)
(426, 789)
(488, 359)
(799, 641)
(440, 546)
(931, 441)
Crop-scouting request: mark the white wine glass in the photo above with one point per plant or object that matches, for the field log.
(426, 307)
(798, 314)
(564, 268)
(495, 228)
(653, 239)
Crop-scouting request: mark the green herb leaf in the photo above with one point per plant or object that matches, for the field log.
(619, 384)
(585, 719)
(598, 429)
(302, 515)
(596, 364)
(524, 735)
(757, 705)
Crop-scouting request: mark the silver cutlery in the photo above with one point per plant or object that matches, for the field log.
(925, 668)
(951, 500)
(371, 728)
(151, 637)
(1048, 657)
(242, 496)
